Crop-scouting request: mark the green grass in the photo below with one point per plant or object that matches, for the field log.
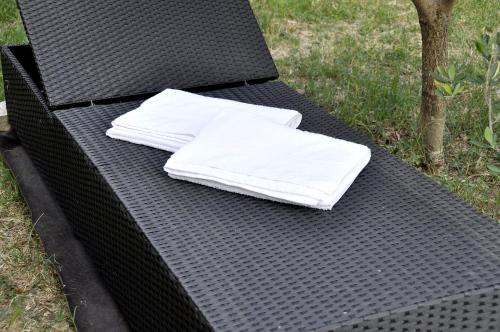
(31, 297)
(359, 60)
(11, 29)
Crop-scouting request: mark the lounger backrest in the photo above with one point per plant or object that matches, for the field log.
(96, 50)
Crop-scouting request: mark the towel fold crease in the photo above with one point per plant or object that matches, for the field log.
(248, 154)
(173, 118)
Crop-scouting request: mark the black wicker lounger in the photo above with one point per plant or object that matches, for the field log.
(397, 253)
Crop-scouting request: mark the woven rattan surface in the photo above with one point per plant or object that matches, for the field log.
(394, 241)
(142, 286)
(398, 253)
(91, 50)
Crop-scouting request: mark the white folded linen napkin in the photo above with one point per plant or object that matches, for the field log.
(173, 118)
(248, 154)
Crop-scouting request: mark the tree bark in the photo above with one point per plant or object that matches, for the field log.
(434, 17)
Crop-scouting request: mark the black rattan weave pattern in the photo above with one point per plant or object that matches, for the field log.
(92, 50)
(142, 286)
(395, 240)
(397, 253)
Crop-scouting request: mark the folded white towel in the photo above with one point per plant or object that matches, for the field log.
(173, 118)
(248, 154)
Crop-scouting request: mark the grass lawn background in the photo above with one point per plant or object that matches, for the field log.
(359, 60)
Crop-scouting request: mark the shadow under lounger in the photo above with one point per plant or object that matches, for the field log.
(397, 251)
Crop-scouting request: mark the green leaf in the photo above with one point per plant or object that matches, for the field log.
(458, 89)
(479, 144)
(439, 78)
(482, 48)
(488, 136)
(497, 71)
(452, 72)
(443, 89)
(474, 76)
(461, 75)
(448, 89)
(494, 169)
(443, 74)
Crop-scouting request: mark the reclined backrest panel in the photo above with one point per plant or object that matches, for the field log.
(96, 50)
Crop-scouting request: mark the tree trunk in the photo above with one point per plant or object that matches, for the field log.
(434, 17)
(433, 113)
